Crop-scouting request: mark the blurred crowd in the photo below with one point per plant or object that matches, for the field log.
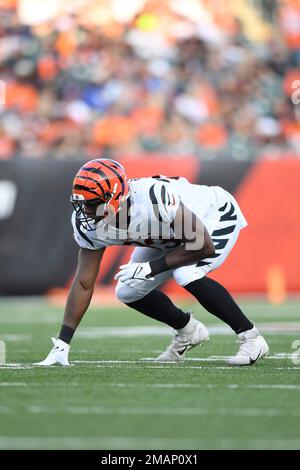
(213, 78)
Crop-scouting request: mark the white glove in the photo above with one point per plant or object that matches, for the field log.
(133, 274)
(59, 354)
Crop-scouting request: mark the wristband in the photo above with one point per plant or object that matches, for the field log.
(158, 266)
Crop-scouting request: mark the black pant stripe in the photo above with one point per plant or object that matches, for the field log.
(223, 231)
(220, 244)
(222, 209)
(202, 263)
(229, 215)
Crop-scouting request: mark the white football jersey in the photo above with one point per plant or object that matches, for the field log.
(151, 208)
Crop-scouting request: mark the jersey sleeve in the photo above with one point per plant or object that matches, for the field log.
(80, 235)
(165, 199)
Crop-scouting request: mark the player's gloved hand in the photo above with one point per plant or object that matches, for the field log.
(57, 355)
(132, 274)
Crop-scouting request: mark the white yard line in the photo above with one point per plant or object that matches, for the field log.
(155, 385)
(138, 361)
(161, 411)
(14, 384)
(16, 366)
(275, 386)
(162, 385)
(161, 442)
(139, 365)
(146, 361)
(41, 384)
(206, 385)
(15, 337)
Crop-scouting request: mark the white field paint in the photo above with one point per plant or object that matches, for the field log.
(16, 337)
(137, 442)
(14, 384)
(2, 352)
(160, 411)
(129, 385)
(149, 362)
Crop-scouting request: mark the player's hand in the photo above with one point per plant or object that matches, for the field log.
(133, 274)
(57, 355)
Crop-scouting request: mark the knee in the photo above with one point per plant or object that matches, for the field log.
(198, 288)
(126, 294)
(187, 274)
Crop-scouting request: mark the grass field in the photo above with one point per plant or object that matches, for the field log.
(115, 397)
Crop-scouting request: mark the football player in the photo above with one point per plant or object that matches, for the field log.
(180, 230)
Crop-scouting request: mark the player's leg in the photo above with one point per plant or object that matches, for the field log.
(148, 300)
(212, 295)
(216, 299)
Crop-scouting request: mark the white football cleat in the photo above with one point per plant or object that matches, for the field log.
(252, 348)
(57, 355)
(184, 340)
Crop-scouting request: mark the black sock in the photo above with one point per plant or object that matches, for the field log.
(217, 300)
(66, 334)
(157, 305)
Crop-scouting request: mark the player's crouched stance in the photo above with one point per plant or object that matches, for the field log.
(180, 230)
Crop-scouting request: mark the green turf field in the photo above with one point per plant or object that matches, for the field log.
(115, 397)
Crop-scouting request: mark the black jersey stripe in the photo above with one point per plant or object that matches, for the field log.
(154, 201)
(220, 244)
(83, 235)
(128, 211)
(223, 231)
(203, 263)
(160, 178)
(117, 224)
(128, 216)
(229, 215)
(222, 209)
(163, 195)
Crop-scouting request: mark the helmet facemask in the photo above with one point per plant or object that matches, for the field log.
(90, 212)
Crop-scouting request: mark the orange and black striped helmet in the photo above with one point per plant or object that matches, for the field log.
(99, 184)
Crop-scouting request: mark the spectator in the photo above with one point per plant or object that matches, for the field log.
(175, 77)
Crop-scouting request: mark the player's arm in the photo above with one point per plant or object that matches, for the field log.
(77, 303)
(82, 286)
(197, 243)
(197, 246)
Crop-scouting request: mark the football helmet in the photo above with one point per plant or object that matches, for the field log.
(99, 189)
